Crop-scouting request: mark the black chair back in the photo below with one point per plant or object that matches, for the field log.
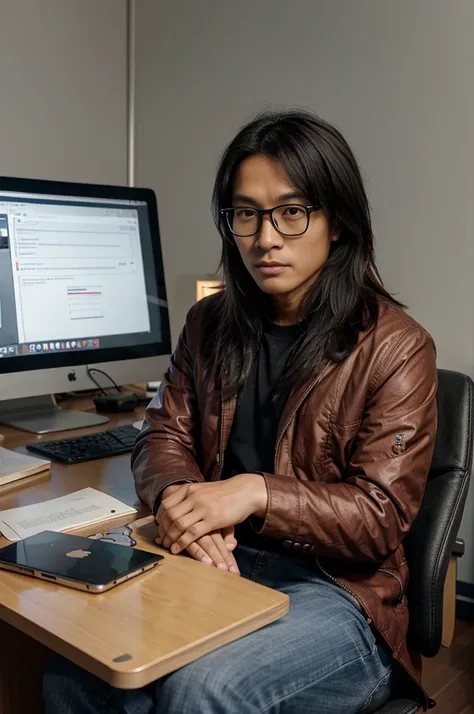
(429, 544)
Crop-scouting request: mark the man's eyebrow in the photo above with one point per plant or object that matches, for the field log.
(241, 198)
(289, 196)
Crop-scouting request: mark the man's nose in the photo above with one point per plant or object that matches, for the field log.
(268, 237)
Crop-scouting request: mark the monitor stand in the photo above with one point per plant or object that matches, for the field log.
(40, 415)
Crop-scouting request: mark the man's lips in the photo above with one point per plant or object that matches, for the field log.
(270, 268)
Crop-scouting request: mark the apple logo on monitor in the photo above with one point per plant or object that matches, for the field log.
(78, 553)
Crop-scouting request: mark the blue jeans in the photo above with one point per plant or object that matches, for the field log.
(322, 657)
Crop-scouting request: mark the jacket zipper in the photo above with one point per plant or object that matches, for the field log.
(341, 585)
(300, 402)
(220, 454)
(277, 453)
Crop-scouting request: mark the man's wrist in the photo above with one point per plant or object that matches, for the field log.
(258, 489)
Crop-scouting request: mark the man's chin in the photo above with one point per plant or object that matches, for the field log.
(274, 286)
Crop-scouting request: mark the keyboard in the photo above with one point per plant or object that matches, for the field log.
(87, 448)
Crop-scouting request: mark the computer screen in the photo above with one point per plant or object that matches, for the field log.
(81, 276)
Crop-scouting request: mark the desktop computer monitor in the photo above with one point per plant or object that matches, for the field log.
(81, 284)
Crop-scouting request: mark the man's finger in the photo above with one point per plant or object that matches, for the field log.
(174, 519)
(210, 544)
(198, 553)
(227, 556)
(165, 516)
(194, 533)
(207, 552)
(211, 549)
(178, 527)
(230, 540)
(177, 496)
(168, 490)
(172, 500)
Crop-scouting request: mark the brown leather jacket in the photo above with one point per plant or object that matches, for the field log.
(353, 452)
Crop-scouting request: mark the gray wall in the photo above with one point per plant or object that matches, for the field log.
(63, 86)
(63, 94)
(396, 77)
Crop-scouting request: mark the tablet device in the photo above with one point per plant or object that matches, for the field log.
(75, 561)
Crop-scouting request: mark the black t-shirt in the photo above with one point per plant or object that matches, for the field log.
(252, 441)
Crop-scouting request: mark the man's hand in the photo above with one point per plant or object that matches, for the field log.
(195, 510)
(213, 549)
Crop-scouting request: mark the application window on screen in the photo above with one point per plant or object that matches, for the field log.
(75, 271)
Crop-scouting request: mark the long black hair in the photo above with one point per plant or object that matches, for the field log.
(344, 298)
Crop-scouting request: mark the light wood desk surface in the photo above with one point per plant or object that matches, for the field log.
(138, 631)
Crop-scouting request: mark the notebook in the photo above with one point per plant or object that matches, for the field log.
(74, 510)
(14, 466)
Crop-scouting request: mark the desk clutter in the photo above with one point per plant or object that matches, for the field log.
(15, 466)
(161, 621)
(121, 535)
(75, 510)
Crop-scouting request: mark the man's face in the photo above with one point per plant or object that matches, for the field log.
(280, 265)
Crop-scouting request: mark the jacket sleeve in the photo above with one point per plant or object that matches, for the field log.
(165, 450)
(366, 515)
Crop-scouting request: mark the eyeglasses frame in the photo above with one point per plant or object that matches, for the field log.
(261, 212)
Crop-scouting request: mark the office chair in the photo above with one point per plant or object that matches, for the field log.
(431, 546)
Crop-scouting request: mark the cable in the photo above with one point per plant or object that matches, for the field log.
(89, 371)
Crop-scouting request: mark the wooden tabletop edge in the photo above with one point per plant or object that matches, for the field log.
(143, 675)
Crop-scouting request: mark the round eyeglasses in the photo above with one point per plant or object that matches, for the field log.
(291, 219)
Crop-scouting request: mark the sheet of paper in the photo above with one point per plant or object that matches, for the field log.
(60, 514)
(13, 462)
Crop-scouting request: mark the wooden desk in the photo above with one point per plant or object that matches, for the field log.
(135, 633)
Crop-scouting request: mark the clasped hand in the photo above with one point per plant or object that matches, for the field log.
(190, 512)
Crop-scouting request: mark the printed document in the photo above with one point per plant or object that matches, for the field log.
(61, 514)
